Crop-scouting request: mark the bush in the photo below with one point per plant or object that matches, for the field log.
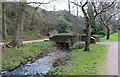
(102, 33)
(95, 28)
(62, 25)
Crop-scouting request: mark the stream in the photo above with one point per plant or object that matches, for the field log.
(40, 67)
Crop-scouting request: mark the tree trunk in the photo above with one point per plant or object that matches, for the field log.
(107, 28)
(3, 20)
(87, 41)
(23, 20)
(17, 37)
(77, 9)
(17, 40)
(108, 33)
(31, 24)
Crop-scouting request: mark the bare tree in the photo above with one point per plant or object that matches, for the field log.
(17, 39)
(106, 22)
(31, 24)
(90, 19)
(54, 7)
(35, 9)
(76, 7)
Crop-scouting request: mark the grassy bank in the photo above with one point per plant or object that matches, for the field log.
(30, 35)
(13, 57)
(113, 37)
(85, 63)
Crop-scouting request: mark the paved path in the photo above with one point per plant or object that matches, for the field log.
(31, 41)
(41, 40)
(112, 63)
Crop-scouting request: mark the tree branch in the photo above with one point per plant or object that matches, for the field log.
(112, 16)
(103, 9)
(76, 4)
(82, 6)
(83, 10)
(94, 7)
(38, 2)
(103, 21)
(118, 20)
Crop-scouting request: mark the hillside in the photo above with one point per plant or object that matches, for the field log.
(42, 22)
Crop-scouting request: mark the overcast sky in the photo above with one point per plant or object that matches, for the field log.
(60, 5)
(57, 5)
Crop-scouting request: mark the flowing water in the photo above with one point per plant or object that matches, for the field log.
(41, 66)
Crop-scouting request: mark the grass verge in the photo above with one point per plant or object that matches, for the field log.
(85, 63)
(113, 37)
(30, 35)
(13, 57)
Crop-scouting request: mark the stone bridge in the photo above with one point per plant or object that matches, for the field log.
(65, 40)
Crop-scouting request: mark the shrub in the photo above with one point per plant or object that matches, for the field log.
(62, 25)
(95, 28)
(102, 33)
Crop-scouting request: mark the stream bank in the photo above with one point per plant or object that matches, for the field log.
(40, 67)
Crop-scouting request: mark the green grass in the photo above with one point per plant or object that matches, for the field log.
(86, 63)
(8, 38)
(13, 57)
(30, 35)
(113, 37)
